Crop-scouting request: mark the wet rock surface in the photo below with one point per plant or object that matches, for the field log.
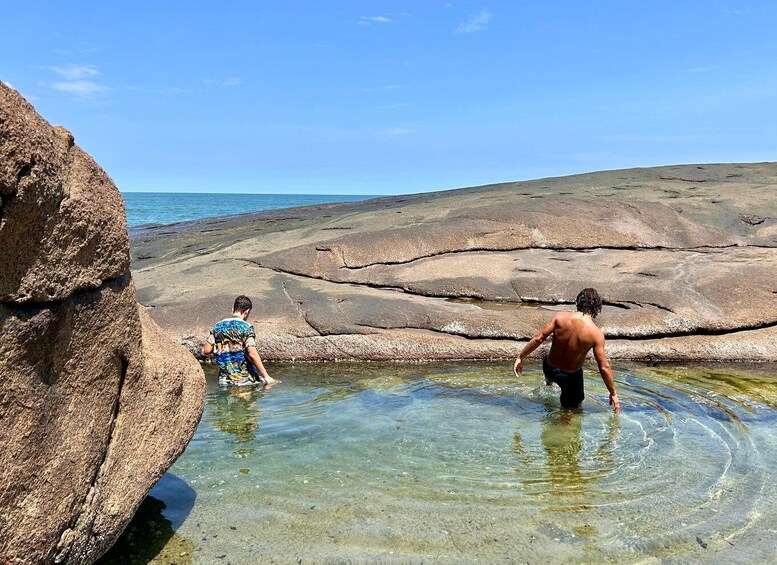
(684, 257)
(95, 401)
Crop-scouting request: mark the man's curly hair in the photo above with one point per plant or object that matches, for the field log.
(589, 302)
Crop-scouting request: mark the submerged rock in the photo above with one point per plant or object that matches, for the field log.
(95, 401)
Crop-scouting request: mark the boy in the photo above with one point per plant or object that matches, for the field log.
(233, 342)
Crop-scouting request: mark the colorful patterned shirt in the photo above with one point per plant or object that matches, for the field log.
(230, 338)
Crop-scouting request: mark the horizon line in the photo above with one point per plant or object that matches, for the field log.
(257, 193)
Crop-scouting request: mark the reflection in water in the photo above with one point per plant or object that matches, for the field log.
(571, 466)
(570, 470)
(561, 438)
(234, 410)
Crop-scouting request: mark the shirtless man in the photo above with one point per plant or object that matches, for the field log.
(574, 334)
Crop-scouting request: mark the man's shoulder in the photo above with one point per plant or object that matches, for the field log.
(242, 325)
(231, 323)
(221, 323)
(596, 331)
(562, 316)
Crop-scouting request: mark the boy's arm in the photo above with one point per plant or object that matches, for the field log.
(207, 347)
(533, 344)
(253, 355)
(606, 372)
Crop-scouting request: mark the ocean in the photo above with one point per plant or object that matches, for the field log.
(170, 207)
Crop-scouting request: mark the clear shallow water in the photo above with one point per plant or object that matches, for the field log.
(167, 208)
(459, 463)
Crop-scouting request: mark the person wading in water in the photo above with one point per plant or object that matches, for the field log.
(233, 343)
(574, 335)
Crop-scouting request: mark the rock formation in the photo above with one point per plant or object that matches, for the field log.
(684, 257)
(95, 402)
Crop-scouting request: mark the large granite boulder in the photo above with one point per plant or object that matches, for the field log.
(95, 402)
(684, 257)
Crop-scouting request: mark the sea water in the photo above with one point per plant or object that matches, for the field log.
(463, 462)
(167, 208)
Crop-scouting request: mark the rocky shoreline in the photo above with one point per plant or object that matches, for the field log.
(684, 257)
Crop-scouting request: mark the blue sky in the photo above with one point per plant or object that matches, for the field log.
(381, 97)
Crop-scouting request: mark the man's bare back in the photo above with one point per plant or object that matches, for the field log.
(574, 335)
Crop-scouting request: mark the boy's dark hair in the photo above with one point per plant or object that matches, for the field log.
(589, 302)
(242, 304)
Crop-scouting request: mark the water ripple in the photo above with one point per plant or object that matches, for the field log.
(449, 462)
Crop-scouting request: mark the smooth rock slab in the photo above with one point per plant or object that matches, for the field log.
(684, 257)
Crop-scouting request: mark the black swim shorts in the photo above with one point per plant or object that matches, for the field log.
(571, 384)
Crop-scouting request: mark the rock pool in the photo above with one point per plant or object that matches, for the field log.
(462, 462)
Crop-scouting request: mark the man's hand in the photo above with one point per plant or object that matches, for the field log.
(614, 402)
(518, 367)
(269, 381)
(606, 372)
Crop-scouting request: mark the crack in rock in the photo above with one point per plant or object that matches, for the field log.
(68, 534)
(298, 306)
(697, 249)
(696, 331)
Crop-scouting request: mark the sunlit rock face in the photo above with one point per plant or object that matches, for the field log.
(684, 257)
(95, 402)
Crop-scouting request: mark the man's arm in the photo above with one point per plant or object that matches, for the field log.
(253, 355)
(606, 372)
(533, 344)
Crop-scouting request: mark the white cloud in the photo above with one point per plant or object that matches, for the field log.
(76, 72)
(396, 131)
(174, 90)
(640, 138)
(396, 106)
(385, 87)
(80, 88)
(8, 84)
(230, 81)
(367, 20)
(77, 80)
(478, 22)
